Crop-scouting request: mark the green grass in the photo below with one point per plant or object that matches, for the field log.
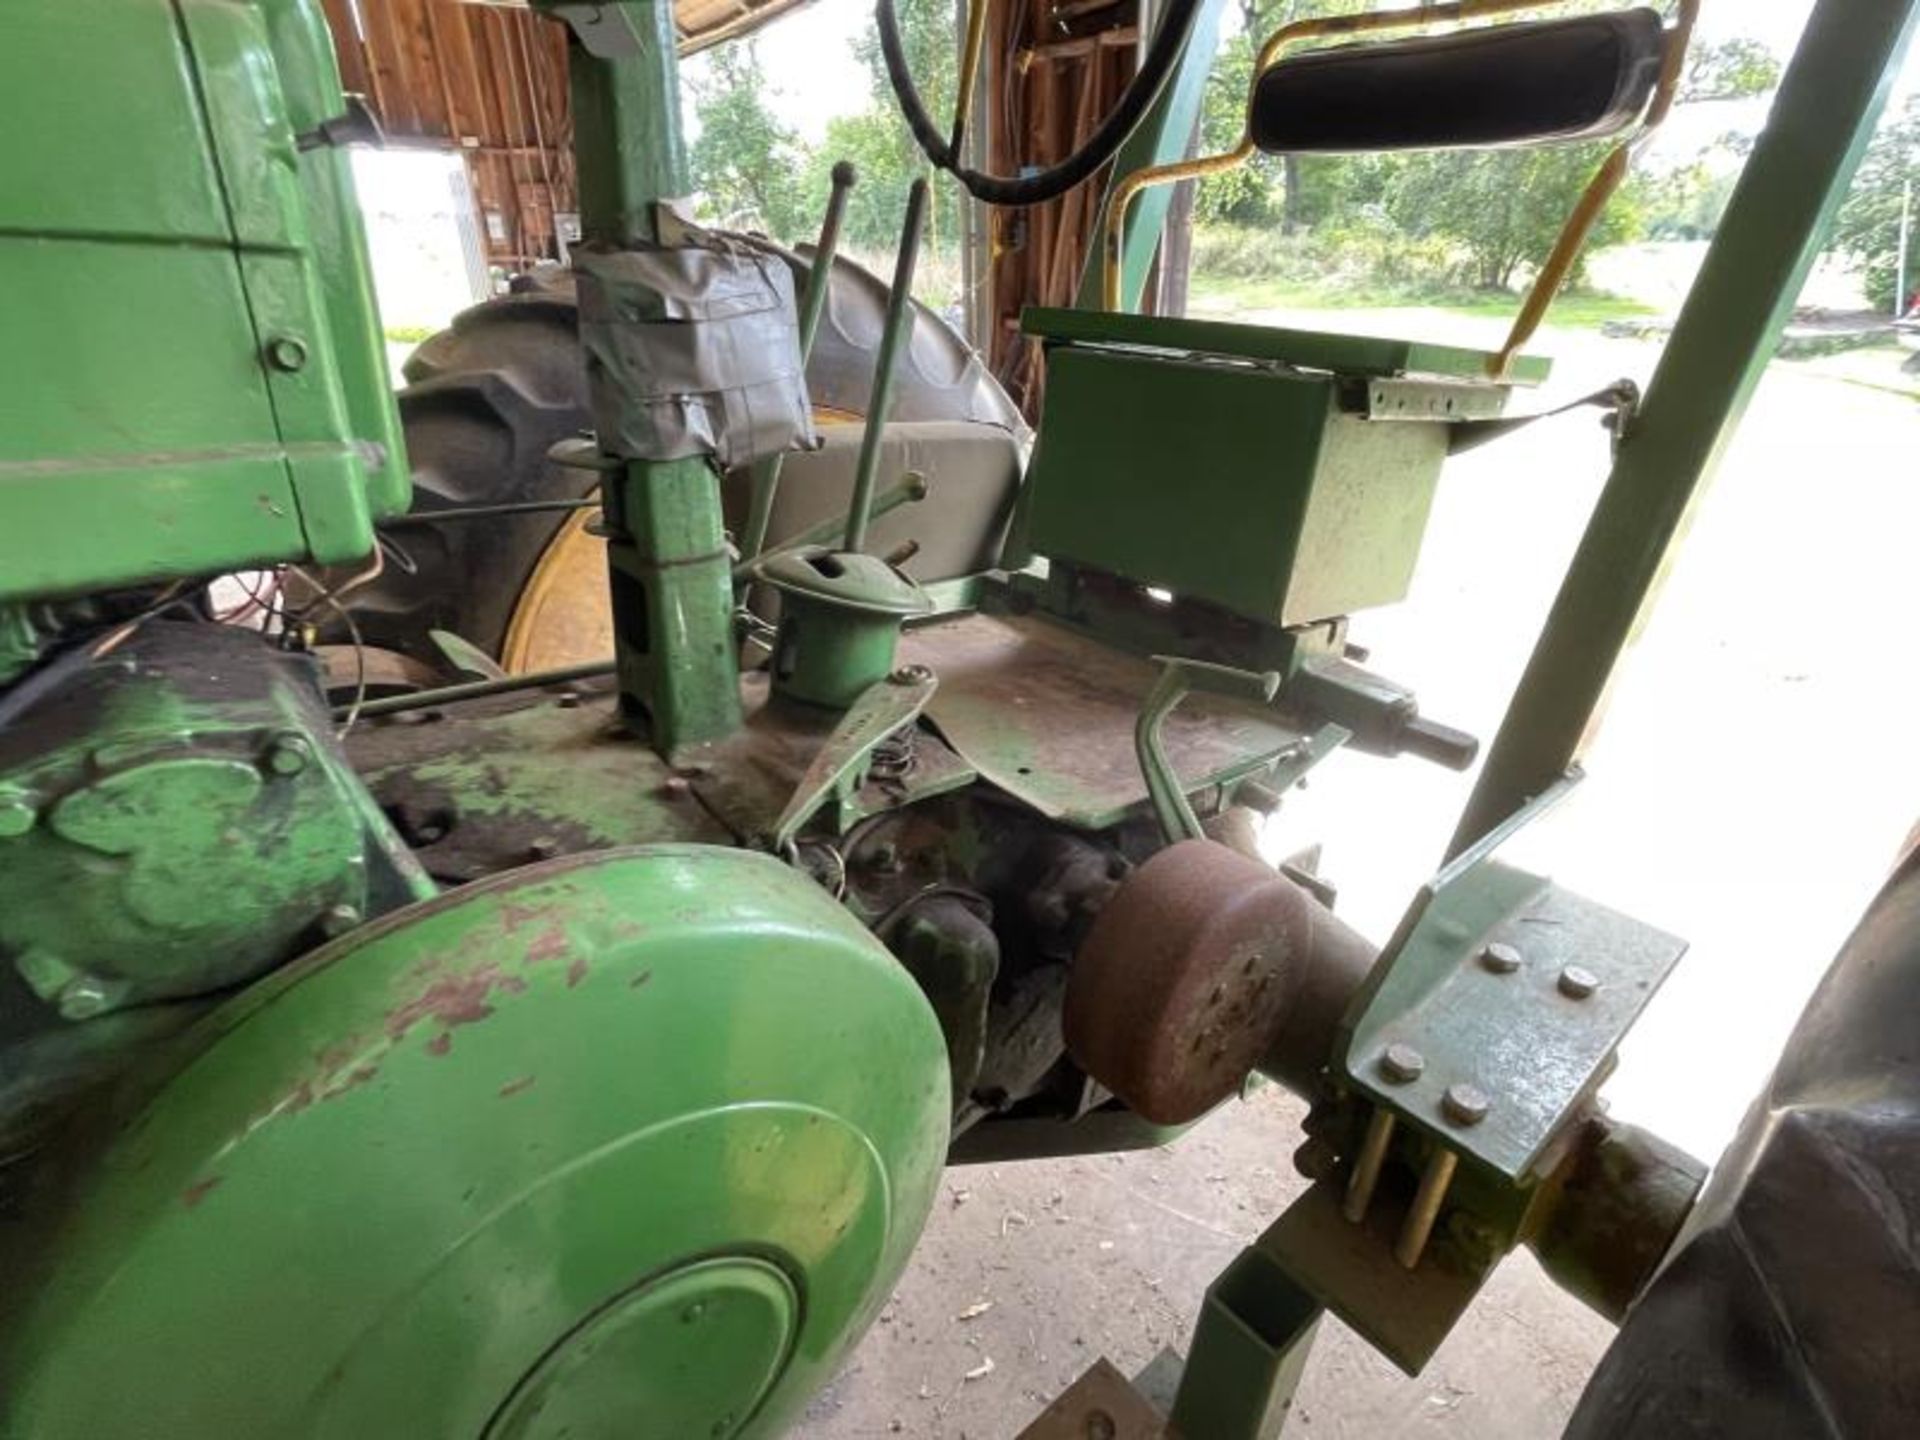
(1581, 309)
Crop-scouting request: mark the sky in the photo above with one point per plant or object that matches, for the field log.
(810, 61)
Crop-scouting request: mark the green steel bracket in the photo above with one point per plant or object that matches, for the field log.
(1164, 134)
(1765, 247)
(840, 767)
(1250, 1349)
(1179, 679)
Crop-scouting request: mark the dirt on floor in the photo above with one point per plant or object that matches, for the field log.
(1030, 1272)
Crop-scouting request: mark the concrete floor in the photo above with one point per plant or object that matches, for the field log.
(1753, 779)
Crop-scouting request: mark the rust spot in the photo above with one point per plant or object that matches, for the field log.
(198, 1191)
(576, 972)
(549, 944)
(514, 1087)
(514, 917)
(441, 1043)
(642, 978)
(452, 1000)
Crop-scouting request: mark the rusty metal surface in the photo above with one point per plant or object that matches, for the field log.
(485, 785)
(1191, 976)
(747, 779)
(1350, 1268)
(1100, 1405)
(1049, 716)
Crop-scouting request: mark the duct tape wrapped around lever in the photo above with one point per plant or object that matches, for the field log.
(693, 350)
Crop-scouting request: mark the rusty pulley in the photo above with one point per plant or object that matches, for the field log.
(1205, 966)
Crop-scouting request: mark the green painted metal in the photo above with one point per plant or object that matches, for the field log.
(164, 833)
(1165, 133)
(1252, 488)
(504, 1121)
(1256, 1330)
(671, 572)
(813, 304)
(897, 330)
(192, 344)
(1760, 258)
(1354, 355)
(840, 619)
(840, 766)
(1178, 679)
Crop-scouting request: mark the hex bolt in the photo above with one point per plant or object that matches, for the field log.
(1465, 1104)
(569, 699)
(83, 998)
(1577, 982)
(289, 754)
(911, 675)
(287, 353)
(1500, 958)
(1402, 1064)
(1100, 1426)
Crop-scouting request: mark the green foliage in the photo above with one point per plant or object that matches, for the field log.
(1505, 209)
(1868, 230)
(1683, 203)
(746, 164)
(1728, 70)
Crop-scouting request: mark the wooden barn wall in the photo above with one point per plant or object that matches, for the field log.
(1058, 67)
(487, 80)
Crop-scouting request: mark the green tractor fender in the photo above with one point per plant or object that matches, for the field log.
(633, 1144)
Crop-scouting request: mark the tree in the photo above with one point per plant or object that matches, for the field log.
(1729, 70)
(1505, 209)
(747, 165)
(1868, 229)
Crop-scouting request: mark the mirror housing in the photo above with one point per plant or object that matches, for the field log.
(1538, 82)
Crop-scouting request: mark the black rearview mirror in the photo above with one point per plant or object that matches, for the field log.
(1581, 78)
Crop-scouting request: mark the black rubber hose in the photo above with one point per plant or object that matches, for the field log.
(1056, 180)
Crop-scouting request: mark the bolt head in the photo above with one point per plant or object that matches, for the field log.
(1402, 1064)
(287, 353)
(1465, 1104)
(289, 754)
(912, 675)
(1500, 958)
(1577, 982)
(84, 997)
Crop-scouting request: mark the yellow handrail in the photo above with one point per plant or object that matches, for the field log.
(1572, 236)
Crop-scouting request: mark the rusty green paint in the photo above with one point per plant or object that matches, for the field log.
(496, 1114)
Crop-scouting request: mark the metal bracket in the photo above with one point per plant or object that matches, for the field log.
(1179, 679)
(605, 29)
(840, 766)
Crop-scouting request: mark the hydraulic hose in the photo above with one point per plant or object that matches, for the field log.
(1168, 41)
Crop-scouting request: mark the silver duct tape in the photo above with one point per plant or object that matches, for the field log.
(692, 351)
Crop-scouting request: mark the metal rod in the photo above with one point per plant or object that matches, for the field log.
(415, 519)
(1366, 1169)
(474, 690)
(898, 326)
(1427, 1200)
(912, 488)
(766, 474)
(1766, 244)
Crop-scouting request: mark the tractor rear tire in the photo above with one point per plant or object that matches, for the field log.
(489, 396)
